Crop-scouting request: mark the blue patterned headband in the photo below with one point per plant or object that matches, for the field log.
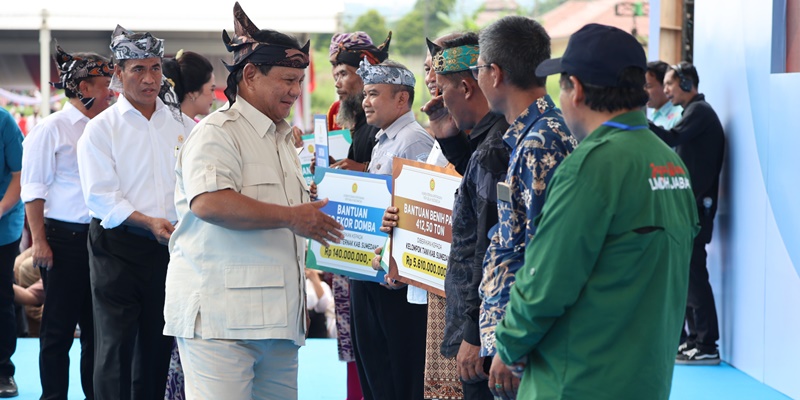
(376, 74)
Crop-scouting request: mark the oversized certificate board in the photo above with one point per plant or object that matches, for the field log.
(357, 200)
(424, 196)
(338, 144)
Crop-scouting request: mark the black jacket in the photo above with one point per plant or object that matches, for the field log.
(700, 143)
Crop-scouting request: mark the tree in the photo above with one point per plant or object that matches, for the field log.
(541, 7)
(421, 21)
(373, 23)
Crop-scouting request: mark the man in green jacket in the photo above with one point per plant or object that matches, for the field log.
(595, 311)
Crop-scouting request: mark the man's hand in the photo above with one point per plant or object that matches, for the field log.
(376, 261)
(297, 137)
(42, 254)
(161, 229)
(390, 280)
(502, 383)
(470, 363)
(350, 165)
(312, 191)
(442, 123)
(308, 221)
(390, 219)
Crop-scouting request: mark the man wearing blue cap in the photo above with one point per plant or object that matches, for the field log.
(595, 310)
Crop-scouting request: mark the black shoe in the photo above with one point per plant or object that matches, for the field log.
(684, 347)
(697, 357)
(8, 388)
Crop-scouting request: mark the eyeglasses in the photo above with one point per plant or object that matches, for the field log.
(476, 68)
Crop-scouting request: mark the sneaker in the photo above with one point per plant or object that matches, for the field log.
(697, 357)
(683, 348)
(8, 388)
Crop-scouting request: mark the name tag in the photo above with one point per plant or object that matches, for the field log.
(503, 192)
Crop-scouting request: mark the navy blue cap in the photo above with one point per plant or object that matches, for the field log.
(597, 54)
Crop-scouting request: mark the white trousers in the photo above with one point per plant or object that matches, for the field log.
(239, 369)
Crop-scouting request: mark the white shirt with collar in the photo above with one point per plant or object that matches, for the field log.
(127, 163)
(404, 138)
(50, 166)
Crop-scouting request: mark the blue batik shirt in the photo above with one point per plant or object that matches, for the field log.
(539, 140)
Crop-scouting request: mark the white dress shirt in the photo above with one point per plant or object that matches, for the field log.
(127, 163)
(50, 166)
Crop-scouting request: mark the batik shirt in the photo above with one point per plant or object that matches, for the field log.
(540, 140)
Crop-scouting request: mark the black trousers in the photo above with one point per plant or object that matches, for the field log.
(8, 318)
(69, 302)
(701, 311)
(479, 390)
(388, 342)
(127, 273)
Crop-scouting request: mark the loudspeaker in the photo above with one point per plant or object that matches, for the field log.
(685, 84)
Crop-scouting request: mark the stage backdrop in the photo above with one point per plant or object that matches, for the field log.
(754, 259)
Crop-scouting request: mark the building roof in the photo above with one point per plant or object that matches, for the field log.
(495, 9)
(571, 16)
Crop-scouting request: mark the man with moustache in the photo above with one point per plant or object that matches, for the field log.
(239, 317)
(539, 141)
(59, 219)
(346, 52)
(126, 160)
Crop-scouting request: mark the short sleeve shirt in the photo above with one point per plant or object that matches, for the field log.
(11, 161)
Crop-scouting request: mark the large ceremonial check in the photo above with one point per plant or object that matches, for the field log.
(356, 200)
(424, 196)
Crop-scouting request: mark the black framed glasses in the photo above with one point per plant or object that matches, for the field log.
(475, 68)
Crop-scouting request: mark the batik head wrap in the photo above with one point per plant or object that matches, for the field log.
(377, 74)
(455, 59)
(246, 49)
(350, 48)
(125, 47)
(72, 70)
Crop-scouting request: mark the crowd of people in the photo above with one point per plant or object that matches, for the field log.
(577, 266)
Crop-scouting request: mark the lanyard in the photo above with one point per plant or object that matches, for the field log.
(624, 127)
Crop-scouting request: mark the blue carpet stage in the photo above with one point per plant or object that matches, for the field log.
(322, 376)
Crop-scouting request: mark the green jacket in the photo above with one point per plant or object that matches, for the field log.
(600, 302)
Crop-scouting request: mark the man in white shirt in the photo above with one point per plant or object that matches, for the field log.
(388, 331)
(59, 220)
(126, 159)
(239, 316)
